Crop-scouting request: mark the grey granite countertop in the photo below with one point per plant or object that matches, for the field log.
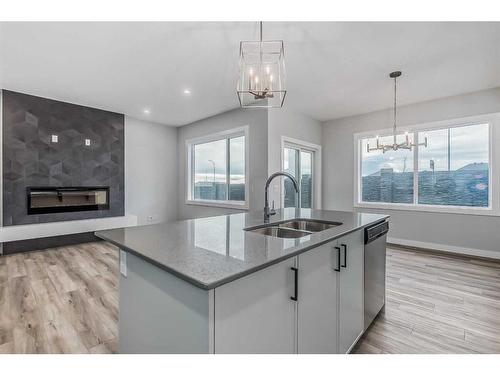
(209, 252)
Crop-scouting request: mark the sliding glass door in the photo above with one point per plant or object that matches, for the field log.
(298, 162)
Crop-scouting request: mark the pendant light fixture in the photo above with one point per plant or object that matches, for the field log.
(261, 81)
(406, 145)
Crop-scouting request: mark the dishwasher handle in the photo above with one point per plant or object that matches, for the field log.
(376, 231)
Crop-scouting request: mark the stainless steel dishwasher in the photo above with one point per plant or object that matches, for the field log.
(375, 244)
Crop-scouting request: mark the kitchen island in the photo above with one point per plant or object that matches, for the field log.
(219, 285)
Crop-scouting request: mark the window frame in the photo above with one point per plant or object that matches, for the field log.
(242, 131)
(315, 149)
(493, 209)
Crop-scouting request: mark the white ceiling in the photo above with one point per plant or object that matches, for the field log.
(333, 69)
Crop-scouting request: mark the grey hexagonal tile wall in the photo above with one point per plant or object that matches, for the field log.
(30, 158)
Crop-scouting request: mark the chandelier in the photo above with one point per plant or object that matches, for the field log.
(406, 145)
(261, 82)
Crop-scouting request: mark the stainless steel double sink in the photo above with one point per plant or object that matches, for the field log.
(294, 228)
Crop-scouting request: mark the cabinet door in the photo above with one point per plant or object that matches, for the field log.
(318, 300)
(351, 286)
(255, 314)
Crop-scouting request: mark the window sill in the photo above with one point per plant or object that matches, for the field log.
(479, 211)
(220, 204)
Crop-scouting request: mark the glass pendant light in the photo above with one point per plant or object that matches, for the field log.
(261, 81)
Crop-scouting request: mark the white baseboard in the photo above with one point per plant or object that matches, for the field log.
(445, 248)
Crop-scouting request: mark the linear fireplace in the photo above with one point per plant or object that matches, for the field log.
(46, 200)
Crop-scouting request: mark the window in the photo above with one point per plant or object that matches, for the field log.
(299, 160)
(453, 171)
(387, 177)
(290, 165)
(218, 169)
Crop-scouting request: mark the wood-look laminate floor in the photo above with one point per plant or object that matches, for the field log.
(61, 300)
(65, 300)
(437, 303)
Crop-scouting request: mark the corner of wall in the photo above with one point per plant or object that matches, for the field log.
(1, 160)
(151, 154)
(1, 165)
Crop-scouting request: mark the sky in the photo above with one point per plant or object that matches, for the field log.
(210, 158)
(290, 160)
(469, 144)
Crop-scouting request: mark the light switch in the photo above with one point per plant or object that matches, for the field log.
(55, 138)
(123, 263)
(87, 142)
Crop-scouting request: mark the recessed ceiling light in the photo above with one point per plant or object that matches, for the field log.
(146, 111)
(187, 92)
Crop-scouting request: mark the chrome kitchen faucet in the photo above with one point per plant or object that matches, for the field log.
(271, 211)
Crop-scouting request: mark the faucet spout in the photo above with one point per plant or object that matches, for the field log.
(267, 211)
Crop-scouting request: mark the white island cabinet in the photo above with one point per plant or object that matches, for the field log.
(255, 314)
(221, 285)
(318, 300)
(259, 314)
(351, 290)
(308, 303)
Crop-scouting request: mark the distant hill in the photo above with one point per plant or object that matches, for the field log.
(378, 173)
(467, 186)
(474, 167)
(468, 167)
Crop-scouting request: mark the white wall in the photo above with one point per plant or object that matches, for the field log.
(256, 119)
(457, 232)
(150, 171)
(285, 122)
(150, 185)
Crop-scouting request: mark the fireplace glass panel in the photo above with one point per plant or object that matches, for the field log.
(66, 199)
